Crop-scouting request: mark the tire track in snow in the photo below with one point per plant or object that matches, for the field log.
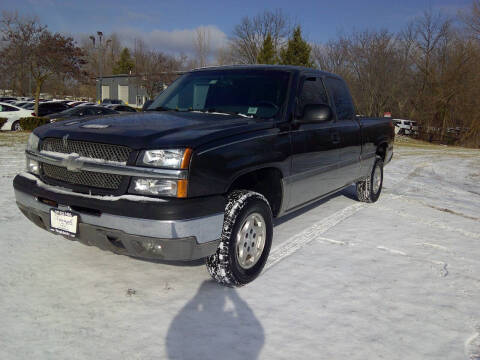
(430, 223)
(298, 241)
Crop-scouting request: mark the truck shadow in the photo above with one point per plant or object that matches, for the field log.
(215, 324)
(349, 192)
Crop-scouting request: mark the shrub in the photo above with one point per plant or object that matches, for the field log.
(2, 122)
(30, 123)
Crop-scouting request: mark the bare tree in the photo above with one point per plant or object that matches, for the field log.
(202, 45)
(64, 57)
(471, 19)
(224, 56)
(28, 47)
(18, 36)
(155, 69)
(248, 36)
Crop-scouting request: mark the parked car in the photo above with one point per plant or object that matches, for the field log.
(47, 108)
(121, 108)
(203, 172)
(13, 114)
(81, 111)
(65, 102)
(76, 103)
(111, 101)
(7, 99)
(20, 103)
(29, 105)
(414, 127)
(403, 127)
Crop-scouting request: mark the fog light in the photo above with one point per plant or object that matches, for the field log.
(33, 166)
(159, 187)
(153, 246)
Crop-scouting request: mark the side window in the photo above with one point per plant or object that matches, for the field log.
(341, 98)
(9, 108)
(313, 92)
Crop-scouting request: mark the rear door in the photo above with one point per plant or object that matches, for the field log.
(348, 131)
(314, 148)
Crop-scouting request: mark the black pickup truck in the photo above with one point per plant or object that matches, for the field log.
(202, 172)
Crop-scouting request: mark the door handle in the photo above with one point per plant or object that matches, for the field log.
(335, 136)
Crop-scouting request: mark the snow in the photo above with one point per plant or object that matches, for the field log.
(397, 279)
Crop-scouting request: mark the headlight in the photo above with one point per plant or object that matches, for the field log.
(32, 144)
(33, 166)
(159, 187)
(168, 158)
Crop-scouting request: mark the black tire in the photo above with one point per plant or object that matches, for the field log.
(224, 266)
(16, 126)
(367, 191)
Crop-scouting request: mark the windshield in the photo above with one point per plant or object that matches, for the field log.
(253, 93)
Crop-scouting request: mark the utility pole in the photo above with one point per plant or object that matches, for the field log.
(101, 48)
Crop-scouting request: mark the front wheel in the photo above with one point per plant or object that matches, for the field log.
(369, 190)
(246, 239)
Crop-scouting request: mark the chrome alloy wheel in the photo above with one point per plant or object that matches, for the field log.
(377, 179)
(250, 241)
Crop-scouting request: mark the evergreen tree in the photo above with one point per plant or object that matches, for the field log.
(124, 64)
(297, 51)
(267, 53)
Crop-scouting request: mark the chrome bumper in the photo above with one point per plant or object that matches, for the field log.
(161, 239)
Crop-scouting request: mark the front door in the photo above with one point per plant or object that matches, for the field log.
(314, 149)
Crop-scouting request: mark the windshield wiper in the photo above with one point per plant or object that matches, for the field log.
(223, 112)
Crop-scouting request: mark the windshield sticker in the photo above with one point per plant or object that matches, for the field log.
(252, 110)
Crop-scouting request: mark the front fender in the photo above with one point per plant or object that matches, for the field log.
(214, 168)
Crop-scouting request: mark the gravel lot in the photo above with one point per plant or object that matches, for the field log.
(398, 279)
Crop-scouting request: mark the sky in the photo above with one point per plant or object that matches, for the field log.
(170, 25)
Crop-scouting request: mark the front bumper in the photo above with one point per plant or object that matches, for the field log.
(139, 236)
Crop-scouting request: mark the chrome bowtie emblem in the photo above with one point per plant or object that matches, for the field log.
(72, 163)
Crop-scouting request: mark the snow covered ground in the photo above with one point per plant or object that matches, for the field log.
(398, 279)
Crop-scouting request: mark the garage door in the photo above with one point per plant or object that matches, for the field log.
(105, 92)
(123, 93)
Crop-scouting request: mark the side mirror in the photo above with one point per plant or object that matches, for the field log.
(316, 113)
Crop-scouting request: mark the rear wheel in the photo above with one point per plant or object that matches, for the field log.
(16, 126)
(369, 190)
(246, 239)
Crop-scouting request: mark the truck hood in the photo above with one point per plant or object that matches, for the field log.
(151, 130)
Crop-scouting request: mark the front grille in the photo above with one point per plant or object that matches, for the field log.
(86, 178)
(89, 150)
